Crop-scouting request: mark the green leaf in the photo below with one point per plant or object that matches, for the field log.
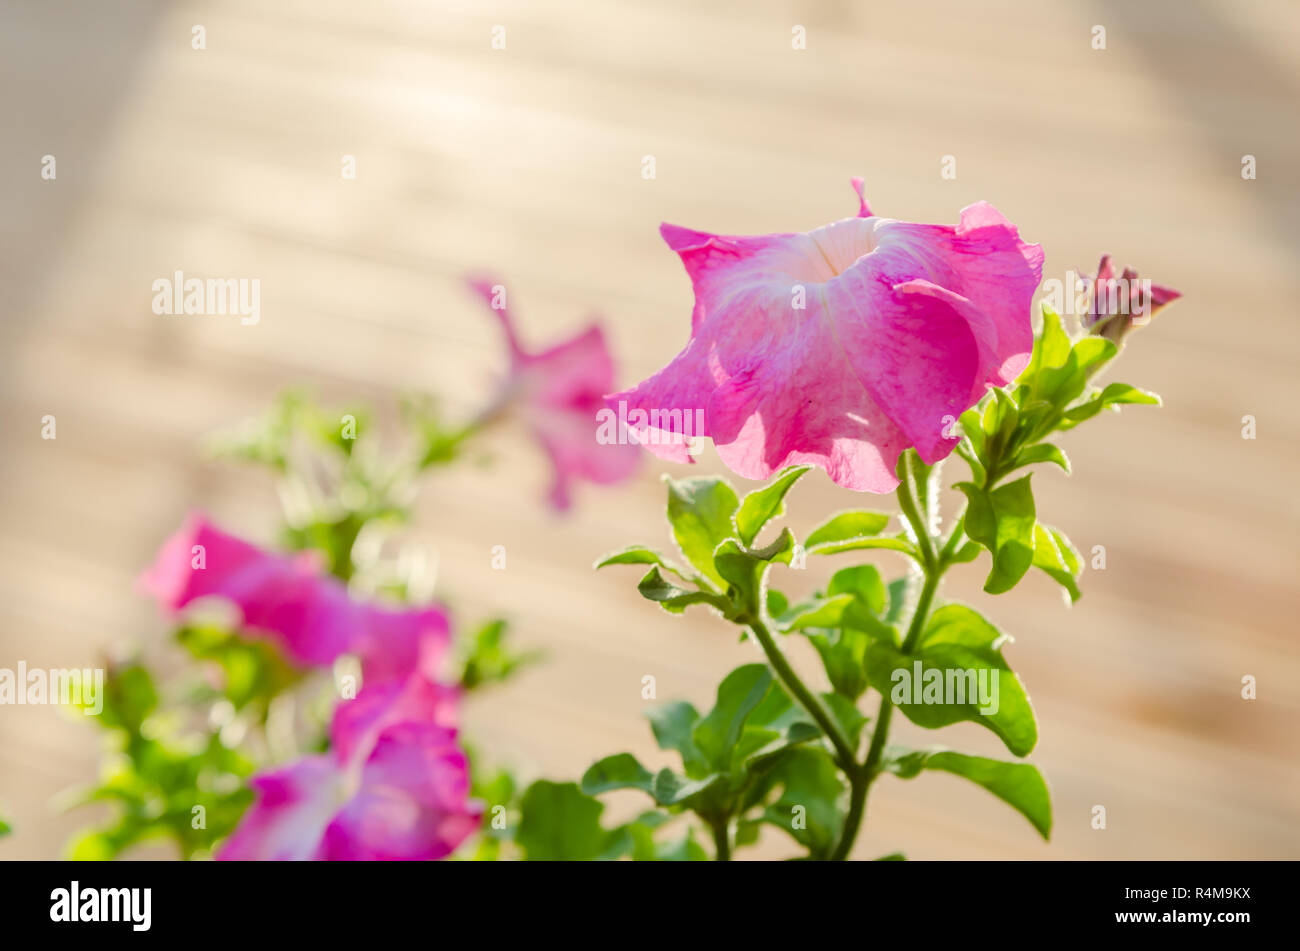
(5, 828)
(846, 527)
(1112, 395)
(762, 505)
(1054, 554)
(962, 676)
(846, 714)
(675, 600)
(742, 570)
(640, 555)
(809, 805)
(1003, 522)
(620, 771)
(560, 822)
(863, 582)
(700, 510)
(1051, 349)
(1042, 452)
(488, 659)
(740, 692)
(672, 790)
(1020, 785)
(893, 857)
(817, 613)
(672, 725)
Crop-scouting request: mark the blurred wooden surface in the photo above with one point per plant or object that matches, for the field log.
(527, 161)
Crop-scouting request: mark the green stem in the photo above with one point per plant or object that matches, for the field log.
(933, 566)
(721, 841)
(807, 699)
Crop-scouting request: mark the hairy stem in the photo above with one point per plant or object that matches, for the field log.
(807, 699)
(721, 841)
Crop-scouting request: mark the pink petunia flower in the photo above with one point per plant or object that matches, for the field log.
(843, 346)
(290, 598)
(1120, 304)
(559, 392)
(393, 787)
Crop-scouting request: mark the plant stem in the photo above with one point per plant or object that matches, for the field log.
(933, 566)
(721, 841)
(807, 699)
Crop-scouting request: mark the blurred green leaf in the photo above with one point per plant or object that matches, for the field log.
(1054, 555)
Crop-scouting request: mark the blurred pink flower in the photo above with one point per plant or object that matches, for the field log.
(559, 392)
(1120, 304)
(393, 787)
(842, 346)
(289, 597)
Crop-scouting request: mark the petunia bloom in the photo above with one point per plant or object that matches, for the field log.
(559, 392)
(842, 346)
(394, 786)
(290, 599)
(1120, 304)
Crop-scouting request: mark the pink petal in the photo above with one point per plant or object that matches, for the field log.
(413, 803)
(903, 327)
(288, 819)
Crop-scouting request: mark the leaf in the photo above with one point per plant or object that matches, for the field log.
(809, 805)
(639, 555)
(818, 613)
(700, 510)
(675, 600)
(740, 692)
(1113, 394)
(620, 771)
(973, 683)
(672, 790)
(742, 570)
(1042, 452)
(847, 715)
(863, 582)
(672, 725)
(846, 527)
(1020, 785)
(1054, 554)
(762, 505)
(1003, 522)
(560, 822)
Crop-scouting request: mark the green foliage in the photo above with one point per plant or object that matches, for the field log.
(773, 753)
(186, 787)
(486, 658)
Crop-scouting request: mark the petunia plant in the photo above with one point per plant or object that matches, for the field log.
(312, 712)
(916, 342)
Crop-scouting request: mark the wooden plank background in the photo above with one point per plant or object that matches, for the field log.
(527, 160)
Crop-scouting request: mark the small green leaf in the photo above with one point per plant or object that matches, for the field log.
(818, 613)
(864, 583)
(672, 725)
(1112, 395)
(1003, 522)
(809, 805)
(956, 673)
(700, 510)
(740, 692)
(1054, 554)
(640, 555)
(762, 505)
(846, 527)
(621, 771)
(559, 821)
(1042, 452)
(675, 600)
(1020, 785)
